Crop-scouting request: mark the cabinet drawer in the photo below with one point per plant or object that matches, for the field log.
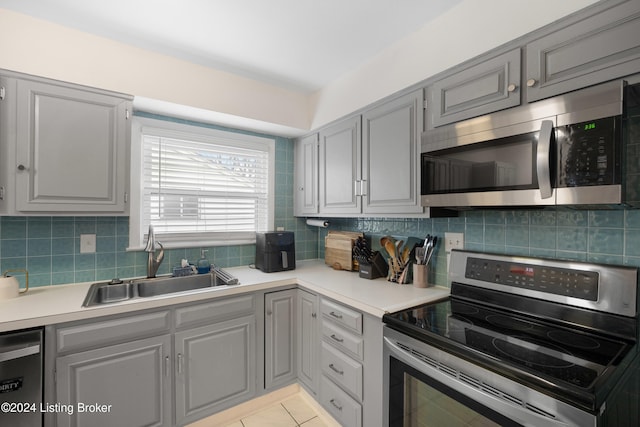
(342, 315)
(87, 335)
(342, 369)
(340, 405)
(215, 310)
(343, 340)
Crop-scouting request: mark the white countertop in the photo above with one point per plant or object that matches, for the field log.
(63, 303)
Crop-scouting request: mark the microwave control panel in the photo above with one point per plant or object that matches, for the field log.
(589, 153)
(552, 280)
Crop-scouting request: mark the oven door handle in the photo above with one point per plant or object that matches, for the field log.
(477, 395)
(543, 153)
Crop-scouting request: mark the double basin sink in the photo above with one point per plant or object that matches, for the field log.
(118, 290)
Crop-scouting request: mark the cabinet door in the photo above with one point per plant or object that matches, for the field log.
(600, 47)
(308, 342)
(306, 176)
(215, 368)
(279, 333)
(71, 149)
(340, 167)
(390, 152)
(131, 382)
(481, 89)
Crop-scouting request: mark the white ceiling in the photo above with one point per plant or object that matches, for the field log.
(297, 44)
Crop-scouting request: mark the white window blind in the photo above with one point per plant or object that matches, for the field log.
(210, 187)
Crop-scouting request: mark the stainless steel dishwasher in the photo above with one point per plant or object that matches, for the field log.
(21, 378)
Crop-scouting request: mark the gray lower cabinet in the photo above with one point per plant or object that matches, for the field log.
(308, 342)
(351, 365)
(489, 86)
(280, 338)
(602, 46)
(341, 361)
(156, 368)
(127, 384)
(215, 367)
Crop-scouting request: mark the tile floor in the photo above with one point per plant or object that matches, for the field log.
(292, 412)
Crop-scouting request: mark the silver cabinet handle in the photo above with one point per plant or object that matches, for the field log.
(179, 363)
(167, 366)
(531, 82)
(335, 338)
(335, 405)
(337, 316)
(314, 315)
(542, 159)
(336, 370)
(17, 354)
(512, 87)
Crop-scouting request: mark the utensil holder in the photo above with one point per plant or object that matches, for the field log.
(421, 276)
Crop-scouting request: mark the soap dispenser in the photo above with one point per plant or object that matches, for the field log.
(204, 266)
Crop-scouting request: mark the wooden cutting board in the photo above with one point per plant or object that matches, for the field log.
(338, 249)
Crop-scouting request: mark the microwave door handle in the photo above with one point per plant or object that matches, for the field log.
(542, 159)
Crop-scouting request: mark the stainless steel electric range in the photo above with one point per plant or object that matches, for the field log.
(521, 341)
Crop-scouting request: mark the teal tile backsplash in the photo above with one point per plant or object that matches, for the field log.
(602, 236)
(48, 247)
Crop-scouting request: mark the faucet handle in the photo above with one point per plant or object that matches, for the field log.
(161, 254)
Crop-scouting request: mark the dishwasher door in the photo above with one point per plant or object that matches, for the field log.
(21, 378)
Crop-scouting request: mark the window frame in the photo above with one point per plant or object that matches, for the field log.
(200, 133)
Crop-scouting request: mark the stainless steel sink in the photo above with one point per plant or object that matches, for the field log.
(117, 291)
(166, 285)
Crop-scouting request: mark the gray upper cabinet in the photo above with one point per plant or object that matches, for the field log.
(340, 169)
(489, 86)
(69, 149)
(132, 379)
(601, 46)
(390, 156)
(279, 343)
(369, 164)
(306, 176)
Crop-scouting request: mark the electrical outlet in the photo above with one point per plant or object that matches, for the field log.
(87, 243)
(453, 241)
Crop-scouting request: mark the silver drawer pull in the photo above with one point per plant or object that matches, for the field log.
(337, 316)
(335, 338)
(335, 405)
(336, 370)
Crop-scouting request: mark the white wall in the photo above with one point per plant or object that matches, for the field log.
(465, 31)
(41, 48)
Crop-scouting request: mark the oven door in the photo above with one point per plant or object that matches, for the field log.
(425, 386)
(509, 166)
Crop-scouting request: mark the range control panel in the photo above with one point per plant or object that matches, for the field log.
(553, 280)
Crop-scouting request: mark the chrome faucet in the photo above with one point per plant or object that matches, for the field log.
(153, 263)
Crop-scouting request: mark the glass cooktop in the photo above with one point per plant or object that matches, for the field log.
(543, 350)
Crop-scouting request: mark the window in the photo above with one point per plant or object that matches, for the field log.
(199, 186)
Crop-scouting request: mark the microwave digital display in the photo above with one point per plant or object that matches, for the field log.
(588, 153)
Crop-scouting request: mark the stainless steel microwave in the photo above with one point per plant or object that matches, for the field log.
(582, 148)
